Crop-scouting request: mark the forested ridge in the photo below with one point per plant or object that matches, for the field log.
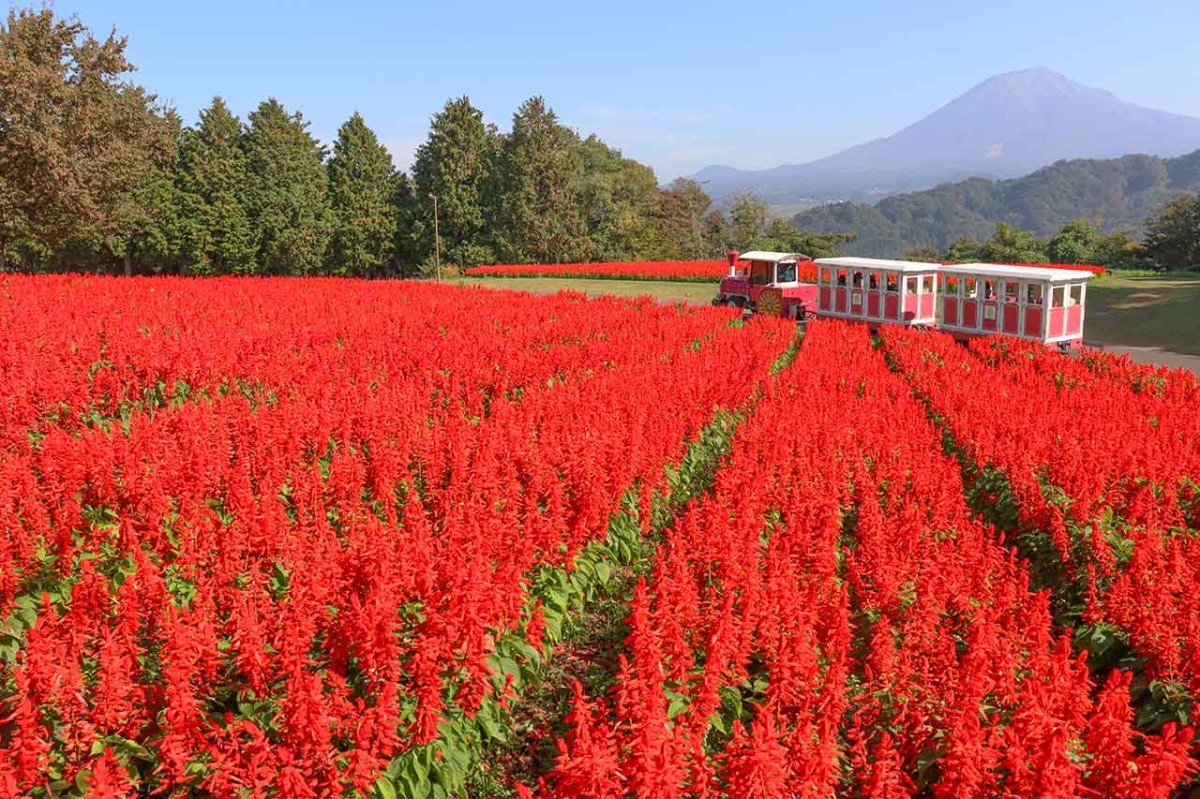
(1113, 195)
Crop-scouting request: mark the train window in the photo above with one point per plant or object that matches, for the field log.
(910, 285)
(826, 276)
(841, 277)
(989, 290)
(1034, 294)
(951, 285)
(1011, 292)
(927, 284)
(970, 288)
(760, 273)
(1058, 296)
(873, 281)
(1075, 297)
(858, 279)
(786, 272)
(893, 283)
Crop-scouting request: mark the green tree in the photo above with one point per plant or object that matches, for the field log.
(716, 232)
(406, 243)
(212, 177)
(156, 231)
(286, 196)
(1077, 242)
(816, 245)
(77, 139)
(620, 200)
(682, 208)
(962, 251)
(455, 164)
(752, 227)
(928, 255)
(539, 213)
(1173, 233)
(1121, 251)
(362, 181)
(1012, 245)
(749, 218)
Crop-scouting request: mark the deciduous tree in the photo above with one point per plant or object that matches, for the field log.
(683, 207)
(1173, 233)
(77, 138)
(620, 199)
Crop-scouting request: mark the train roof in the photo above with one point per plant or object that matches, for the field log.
(879, 263)
(1018, 272)
(771, 257)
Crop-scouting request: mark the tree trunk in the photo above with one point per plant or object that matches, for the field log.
(127, 259)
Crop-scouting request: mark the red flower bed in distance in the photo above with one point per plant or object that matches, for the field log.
(628, 270)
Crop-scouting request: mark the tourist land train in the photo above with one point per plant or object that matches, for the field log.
(1042, 303)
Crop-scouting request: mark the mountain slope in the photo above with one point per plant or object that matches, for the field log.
(1007, 126)
(1117, 194)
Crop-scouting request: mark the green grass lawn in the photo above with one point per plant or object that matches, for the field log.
(1157, 311)
(1154, 311)
(666, 290)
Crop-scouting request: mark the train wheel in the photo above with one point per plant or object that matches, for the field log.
(770, 302)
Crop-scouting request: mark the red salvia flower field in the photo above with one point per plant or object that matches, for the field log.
(711, 271)
(273, 537)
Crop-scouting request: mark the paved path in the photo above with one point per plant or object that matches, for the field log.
(1155, 356)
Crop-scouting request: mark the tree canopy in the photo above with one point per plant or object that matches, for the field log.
(212, 178)
(286, 192)
(96, 174)
(77, 138)
(456, 164)
(1173, 233)
(362, 181)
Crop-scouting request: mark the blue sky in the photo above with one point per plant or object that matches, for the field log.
(677, 85)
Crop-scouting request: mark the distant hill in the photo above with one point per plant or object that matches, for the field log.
(1116, 194)
(1005, 127)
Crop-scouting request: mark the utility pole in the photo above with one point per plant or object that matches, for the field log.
(437, 240)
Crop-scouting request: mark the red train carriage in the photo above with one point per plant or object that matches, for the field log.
(878, 291)
(769, 282)
(1038, 303)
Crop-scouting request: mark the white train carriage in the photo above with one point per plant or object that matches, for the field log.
(878, 291)
(1030, 302)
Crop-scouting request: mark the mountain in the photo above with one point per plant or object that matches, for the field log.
(1005, 127)
(1117, 194)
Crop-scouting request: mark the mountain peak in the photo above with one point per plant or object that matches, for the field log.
(1029, 88)
(1038, 74)
(1006, 126)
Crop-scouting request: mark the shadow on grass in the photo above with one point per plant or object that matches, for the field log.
(1145, 312)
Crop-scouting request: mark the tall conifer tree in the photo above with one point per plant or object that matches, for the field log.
(454, 165)
(539, 213)
(362, 184)
(212, 176)
(287, 195)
